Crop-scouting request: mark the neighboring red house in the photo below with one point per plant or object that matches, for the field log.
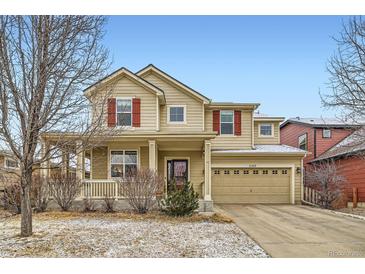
(330, 139)
(315, 135)
(349, 158)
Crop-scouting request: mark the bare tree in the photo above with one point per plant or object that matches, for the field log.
(347, 73)
(142, 189)
(64, 189)
(324, 177)
(45, 63)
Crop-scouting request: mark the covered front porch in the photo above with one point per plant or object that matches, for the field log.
(175, 157)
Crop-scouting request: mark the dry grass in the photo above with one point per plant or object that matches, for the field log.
(126, 215)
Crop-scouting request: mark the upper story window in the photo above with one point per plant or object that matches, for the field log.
(11, 163)
(123, 163)
(124, 112)
(326, 133)
(176, 114)
(227, 122)
(266, 130)
(303, 141)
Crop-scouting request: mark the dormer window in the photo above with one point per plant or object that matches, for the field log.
(176, 114)
(227, 122)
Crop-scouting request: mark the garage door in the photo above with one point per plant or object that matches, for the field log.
(251, 185)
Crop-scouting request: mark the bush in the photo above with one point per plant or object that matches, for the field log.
(142, 189)
(109, 204)
(180, 202)
(64, 189)
(11, 197)
(89, 205)
(329, 184)
(39, 193)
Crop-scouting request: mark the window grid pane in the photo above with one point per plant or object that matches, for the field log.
(124, 112)
(266, 130)
(176, 114)
(226, 128)
(123, 163)
(226, 120)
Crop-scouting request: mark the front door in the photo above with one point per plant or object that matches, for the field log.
(177, 171)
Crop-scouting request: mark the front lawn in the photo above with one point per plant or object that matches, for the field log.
(58, 234)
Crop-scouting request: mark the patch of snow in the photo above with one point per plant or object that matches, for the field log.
(113, 237)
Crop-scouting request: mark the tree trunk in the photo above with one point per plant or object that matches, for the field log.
(26, 214)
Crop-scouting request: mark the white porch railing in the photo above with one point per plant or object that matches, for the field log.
(99, 189)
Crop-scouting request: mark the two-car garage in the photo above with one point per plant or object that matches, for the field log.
(251, 185)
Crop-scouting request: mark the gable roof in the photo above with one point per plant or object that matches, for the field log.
(352, 144)
(172, 80)
(321, 122)
(130, 75)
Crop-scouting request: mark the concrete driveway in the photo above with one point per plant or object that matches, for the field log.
(299, 231)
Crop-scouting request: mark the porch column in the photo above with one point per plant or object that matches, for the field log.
(79, 161)
(65, 162)
(152, 155)
(207, 171)
(44, 172)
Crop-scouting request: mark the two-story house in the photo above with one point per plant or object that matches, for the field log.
(315, 135)
(230, 154)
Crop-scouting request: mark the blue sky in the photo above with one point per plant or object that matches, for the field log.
(278, 61)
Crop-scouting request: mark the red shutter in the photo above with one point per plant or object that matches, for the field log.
(136, 119)
(237, 122)
(111, 112)
(216, 120)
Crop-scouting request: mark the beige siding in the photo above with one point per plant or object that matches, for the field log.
(267, 140)
(99, 163)
(232, 142)
(125, 87)
(196, 165)
(230, 161)
(144, 157)
(175, 96)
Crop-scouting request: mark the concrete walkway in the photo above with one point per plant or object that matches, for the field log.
(299, 231)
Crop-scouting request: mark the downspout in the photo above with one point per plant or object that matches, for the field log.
(315, 142)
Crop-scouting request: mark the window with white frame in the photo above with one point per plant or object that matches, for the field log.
(124, 112)
(9, 163)
(176, 114)
(123, 163)
(227, 122)
(303, 142)
(266, 130)
(326, 133)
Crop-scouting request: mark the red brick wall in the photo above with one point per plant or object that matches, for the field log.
(353, 169)
(289, 136)
(337, 134)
